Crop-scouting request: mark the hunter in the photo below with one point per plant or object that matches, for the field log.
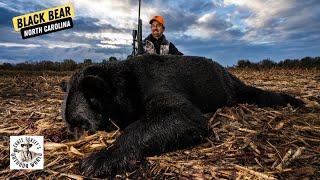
(156, 42)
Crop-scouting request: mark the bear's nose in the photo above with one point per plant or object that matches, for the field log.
(78, 132)
(85, 126)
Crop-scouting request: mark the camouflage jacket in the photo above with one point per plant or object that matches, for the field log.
(159, 46)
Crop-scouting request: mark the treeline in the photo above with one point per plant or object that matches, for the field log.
(305, 63)
(71, 65)
(65, 65)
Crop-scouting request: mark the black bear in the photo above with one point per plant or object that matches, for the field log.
(158, 102)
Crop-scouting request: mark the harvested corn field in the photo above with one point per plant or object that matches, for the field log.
(247, 142)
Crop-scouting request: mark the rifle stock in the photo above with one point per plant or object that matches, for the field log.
(139, 41)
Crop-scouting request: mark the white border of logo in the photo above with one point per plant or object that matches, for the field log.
(26, 152)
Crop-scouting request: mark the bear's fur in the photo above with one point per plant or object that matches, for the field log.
(158, 102)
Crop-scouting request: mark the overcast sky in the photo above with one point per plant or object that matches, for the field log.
(223, 30)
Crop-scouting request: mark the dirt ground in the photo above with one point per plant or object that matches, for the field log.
(247, 142)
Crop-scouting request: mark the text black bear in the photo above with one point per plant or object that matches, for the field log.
(158, 102)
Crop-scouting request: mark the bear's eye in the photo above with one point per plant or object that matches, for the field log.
(95, 104)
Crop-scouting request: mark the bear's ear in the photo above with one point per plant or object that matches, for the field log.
(64, 86)
(95, 86)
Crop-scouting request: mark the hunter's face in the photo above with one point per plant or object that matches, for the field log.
(156, 29)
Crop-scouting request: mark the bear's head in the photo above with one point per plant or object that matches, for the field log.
(96, 99)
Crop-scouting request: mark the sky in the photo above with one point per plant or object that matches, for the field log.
(222, 30)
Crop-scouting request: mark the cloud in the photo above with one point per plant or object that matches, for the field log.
(6, 15)
(117, 13)
(19, 45)
(63, 44)
(88, 24)
(211, 25)
(277, 21)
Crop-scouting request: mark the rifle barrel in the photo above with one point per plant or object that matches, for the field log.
(139, 8)
(137, 36)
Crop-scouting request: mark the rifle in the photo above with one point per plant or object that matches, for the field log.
(137, 37)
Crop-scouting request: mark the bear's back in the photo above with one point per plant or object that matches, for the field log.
(204, 82)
